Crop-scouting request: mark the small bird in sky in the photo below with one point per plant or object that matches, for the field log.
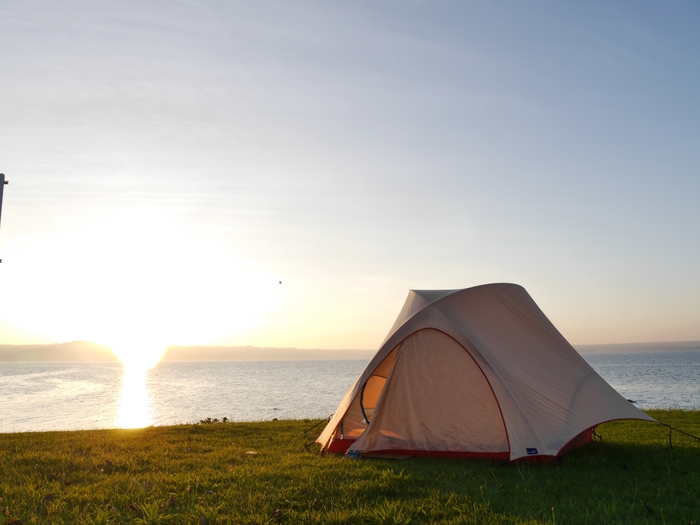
(280, 282)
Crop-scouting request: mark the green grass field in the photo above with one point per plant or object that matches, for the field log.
(261, 473)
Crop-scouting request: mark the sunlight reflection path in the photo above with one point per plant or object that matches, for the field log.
(134, 399)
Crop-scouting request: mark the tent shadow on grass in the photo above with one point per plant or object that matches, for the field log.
(602, 482)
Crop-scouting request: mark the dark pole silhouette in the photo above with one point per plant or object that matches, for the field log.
(2, 185)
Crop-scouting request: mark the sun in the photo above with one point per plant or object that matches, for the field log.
(139, 351)
(139, 282)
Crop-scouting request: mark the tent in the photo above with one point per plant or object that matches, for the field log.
(478, 372)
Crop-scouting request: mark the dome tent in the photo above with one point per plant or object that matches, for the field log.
(479, 372)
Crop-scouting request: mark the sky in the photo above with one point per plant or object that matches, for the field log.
(169, 163)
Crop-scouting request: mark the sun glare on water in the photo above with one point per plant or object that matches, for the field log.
(134, 399)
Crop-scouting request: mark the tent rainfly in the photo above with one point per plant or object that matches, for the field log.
(479, 372)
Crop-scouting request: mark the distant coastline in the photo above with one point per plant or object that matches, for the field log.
(176, 354)
(636, 348)
(74, 351)
(88, 352)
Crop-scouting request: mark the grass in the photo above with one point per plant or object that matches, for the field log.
(255, 473)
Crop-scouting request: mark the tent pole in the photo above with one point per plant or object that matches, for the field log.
(2, 185)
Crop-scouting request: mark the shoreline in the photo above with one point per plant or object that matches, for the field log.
(215, 421)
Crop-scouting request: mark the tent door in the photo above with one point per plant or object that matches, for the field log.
(435, 398)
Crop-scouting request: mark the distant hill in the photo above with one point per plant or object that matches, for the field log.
(87, 352)
(75, 351)
(254, 353)
(628, 348)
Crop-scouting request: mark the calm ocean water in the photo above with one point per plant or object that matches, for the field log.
(66, 396)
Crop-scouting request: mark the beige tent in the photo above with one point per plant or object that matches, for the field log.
(479, 372)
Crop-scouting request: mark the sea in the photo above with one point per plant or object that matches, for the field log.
(82, 396)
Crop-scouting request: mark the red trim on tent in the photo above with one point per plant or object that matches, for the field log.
(587, 435)
(340, 446)
(504, 456)
(584, 437)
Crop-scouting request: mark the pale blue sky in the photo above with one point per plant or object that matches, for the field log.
(170, 162)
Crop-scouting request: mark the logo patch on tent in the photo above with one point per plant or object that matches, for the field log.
(531, 451)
